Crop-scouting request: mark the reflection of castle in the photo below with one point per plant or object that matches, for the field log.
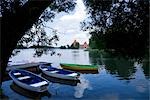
(84, 46)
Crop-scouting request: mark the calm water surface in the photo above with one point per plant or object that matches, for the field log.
(118, 79)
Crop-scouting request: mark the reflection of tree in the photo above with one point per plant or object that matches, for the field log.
(93, 57)
(96, 57)
(119, 67)
(146, 69)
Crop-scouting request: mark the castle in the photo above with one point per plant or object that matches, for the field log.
(84, 46)
(76, 44)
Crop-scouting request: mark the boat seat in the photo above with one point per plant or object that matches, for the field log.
(17, 73)
(54, 71)
(39, 84)
(72, 74)
(24, 77)
(45, 69)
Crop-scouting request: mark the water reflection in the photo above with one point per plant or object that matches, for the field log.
(81, 87)
(95, 57)
(75, 55)
(122, 68)
(146, 69)
(106, 85)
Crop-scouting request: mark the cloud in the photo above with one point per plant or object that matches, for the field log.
(79, 14)
(69, 25)
(70, 31)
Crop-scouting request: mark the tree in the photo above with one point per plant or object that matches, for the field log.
(122, 25)
(68, 47)
(95, 42)
(62, 47)
(18, 17)
(129, 33)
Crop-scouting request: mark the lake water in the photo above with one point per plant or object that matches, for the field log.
(118, 79)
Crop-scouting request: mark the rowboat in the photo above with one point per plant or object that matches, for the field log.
(29, 81)
(58, 73)
(80, 68)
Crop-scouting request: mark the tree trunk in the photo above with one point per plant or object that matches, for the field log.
(14, 26)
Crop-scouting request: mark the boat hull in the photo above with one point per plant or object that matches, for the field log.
(57, 75)
(61, 81)
(75, 67)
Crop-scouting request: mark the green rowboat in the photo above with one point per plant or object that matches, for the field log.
(77, 67)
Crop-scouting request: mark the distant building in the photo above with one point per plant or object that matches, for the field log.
(84, 46)
(75, 45)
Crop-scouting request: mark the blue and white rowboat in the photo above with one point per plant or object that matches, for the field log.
(59, 73)
(29, 81)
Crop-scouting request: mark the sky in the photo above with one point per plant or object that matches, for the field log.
(68, 25)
